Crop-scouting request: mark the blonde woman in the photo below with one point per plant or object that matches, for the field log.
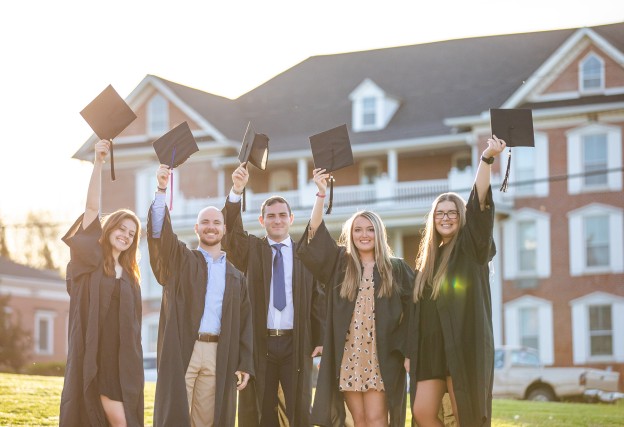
(368, 295)
(104, 378)
(450, 344)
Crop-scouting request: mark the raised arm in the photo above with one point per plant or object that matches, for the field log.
(320, 178)
(482, 180)
(236, 241)
(92, 208)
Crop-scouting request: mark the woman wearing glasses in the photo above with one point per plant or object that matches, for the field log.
(450, 341)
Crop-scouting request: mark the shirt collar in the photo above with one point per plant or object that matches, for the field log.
(209, 258)
(286, 242)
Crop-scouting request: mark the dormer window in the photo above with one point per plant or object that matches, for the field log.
(157, 115)
(369, 111)
(372, 108)
(591, 71)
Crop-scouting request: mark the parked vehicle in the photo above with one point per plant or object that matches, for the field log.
(149, 367)
(519, 374)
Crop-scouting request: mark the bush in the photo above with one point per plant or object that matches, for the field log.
(49, 369)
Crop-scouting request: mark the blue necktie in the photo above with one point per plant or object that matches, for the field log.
(279, 285)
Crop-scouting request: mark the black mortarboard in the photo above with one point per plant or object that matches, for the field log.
(331, 151)
(174, 148)
(108, 115)
(515, 127)
(255, 150)
(177, 145)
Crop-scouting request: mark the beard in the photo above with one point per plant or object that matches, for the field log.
(214, 242)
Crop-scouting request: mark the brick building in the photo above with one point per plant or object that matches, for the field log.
(418, 117)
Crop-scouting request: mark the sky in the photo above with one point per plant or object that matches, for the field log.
(56, 56)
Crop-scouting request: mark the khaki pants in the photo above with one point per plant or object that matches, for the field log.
(201, 384)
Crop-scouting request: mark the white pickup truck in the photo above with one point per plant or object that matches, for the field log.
(519, 374)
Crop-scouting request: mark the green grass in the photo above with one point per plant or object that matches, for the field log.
(34, 401)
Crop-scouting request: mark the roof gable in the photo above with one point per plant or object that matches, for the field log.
(557, 78)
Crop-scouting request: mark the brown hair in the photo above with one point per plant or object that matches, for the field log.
(383, 252)
(128, 258)
(428, 249)
(273, 200)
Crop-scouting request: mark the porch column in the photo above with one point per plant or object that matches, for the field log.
(393, 166)
(397, 243)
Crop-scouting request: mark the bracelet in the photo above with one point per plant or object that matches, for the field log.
(488, 160)
(236, 192)
(322, 196)
(162, 190)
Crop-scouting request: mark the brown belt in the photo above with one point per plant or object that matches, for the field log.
(207, 337)
(279, 332)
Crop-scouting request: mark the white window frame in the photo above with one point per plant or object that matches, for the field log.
(578, 260)
(545, 329)
(581, 74)
(157, 113)
(576, 184)
(385, 106)
(370, 111)
(370, 163)
(278, 176)
(581, 339)
(511, 270)
(49, 317)
(540, 188)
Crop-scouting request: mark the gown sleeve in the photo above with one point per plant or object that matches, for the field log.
(84, 248)
(477, 240)
(320, 254)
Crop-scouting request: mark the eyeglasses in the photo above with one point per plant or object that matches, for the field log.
(449, 214)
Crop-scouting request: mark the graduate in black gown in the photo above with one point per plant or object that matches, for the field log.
(450, 340)
(104, 379)
(369, 294)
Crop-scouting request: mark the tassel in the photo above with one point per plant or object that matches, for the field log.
(112, 161)
(243, 200)
(331, 195)
(171, 192)
(505, 184)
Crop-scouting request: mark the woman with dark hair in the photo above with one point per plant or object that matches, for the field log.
(450, 342)
(104, 373)
(368, 294)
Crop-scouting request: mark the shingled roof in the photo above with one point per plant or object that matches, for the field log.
(11, 268)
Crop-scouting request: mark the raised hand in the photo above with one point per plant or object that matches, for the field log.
(102, 148)
(240, 176)
(495, 147)
(320, 178)
(162, 175)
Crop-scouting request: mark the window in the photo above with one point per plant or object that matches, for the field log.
(157, 115)
(527, 246)
(600, 330)
(528, 323)
(596, 240)
(369, 172)
(369, 111)
(592, 73)
(529, 334)
(596, 236)
(281, 180)
(526, 240)
(44, 332)
(525, 358)
(597, 326)
(594, 159)
(524, 170)
(529, 171)
(593, 148)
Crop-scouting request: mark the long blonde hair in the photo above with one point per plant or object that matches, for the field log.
(128, 258)
(428, 248)
(383, 252)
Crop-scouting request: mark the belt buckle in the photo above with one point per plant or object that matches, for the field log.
(279, 333)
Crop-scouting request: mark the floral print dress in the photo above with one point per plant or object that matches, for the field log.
(359, 370)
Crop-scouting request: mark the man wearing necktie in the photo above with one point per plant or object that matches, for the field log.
(288, 311)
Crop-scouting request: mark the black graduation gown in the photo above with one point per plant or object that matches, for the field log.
(253, 256)
(183, 274)
(464, 306)
(80, 400)
(327, 261)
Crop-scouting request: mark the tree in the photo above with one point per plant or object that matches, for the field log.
(4, 249)
(15, 342)
(41, 240)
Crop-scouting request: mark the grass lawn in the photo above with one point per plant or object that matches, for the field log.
(34, 401)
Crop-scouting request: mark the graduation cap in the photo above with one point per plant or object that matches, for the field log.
(255, 150)
(331, 151)
(108, 115)
(515, 127)
(174, 148)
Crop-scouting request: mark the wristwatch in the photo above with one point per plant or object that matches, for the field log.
(488, 160)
